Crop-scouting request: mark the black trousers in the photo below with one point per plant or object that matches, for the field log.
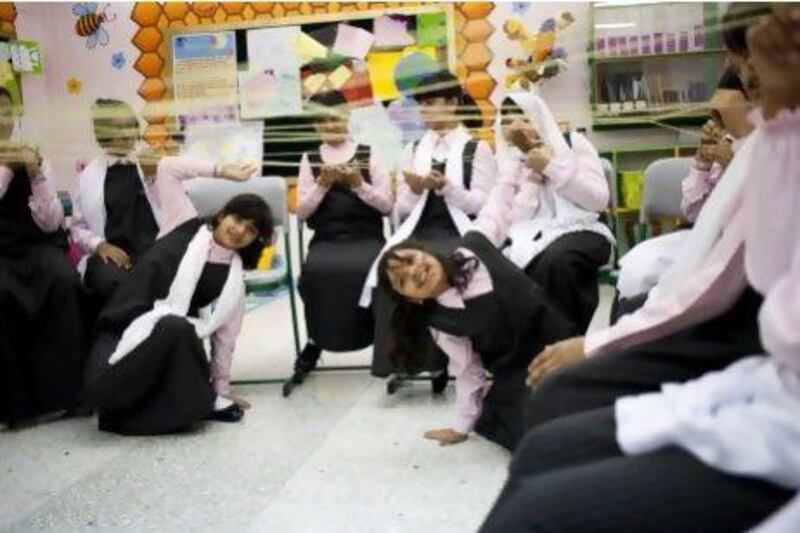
(570, 475)
(599, 381)
(567, 270)
(162, 386)
(102, 279)
(43, 332)
(625, 306)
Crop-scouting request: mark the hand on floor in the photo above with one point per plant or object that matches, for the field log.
(554, 357)
(238, 400)
(445, 436)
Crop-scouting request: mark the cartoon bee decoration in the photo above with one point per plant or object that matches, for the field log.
(90, 23)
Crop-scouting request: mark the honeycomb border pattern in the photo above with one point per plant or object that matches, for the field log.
(472, 29)
(8, 15)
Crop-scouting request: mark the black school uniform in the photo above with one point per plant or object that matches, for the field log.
(348, 236)
(436, 229)
(163, 385)
(130, 225)
(42, 332)
(507, 327)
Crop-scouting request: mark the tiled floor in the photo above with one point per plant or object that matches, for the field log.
(338, 455)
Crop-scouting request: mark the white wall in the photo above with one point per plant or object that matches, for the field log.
(55, 119)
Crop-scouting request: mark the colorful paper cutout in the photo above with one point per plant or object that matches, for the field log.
(431, 29)
(392, 30)
(308, 49)
(381, 70)
(352, 41)
(339, 76)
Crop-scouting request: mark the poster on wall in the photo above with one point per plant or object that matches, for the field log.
(270, 87)
(205, 76)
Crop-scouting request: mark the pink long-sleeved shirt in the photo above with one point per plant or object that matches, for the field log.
(760, 246)
(45, 206)
(696, 187)
(577, 176)
(176, 208)
(79, 229)
(377, 194)
(464, 362)
(484, 170)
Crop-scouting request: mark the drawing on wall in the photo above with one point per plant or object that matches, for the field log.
(74, 85)
(118, 60)
(90, 23)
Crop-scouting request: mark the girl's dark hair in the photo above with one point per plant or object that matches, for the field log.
(410, 345)
(105, 112)
(439, 84)
(328, 99)
(443, 84)
(509, 106)
(249, 207)
(736, 21)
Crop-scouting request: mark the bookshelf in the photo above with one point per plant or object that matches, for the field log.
(653, 64)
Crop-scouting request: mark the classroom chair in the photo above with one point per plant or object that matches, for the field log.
(210, 195)
(662, 194)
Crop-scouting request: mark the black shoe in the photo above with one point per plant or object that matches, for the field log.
(232, 413)
(439, 382)
(306, 362)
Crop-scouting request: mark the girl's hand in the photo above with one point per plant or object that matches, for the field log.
(446, 436)
(32, 161)
(328, 176)
(352, 176)
(238, 400)
(539, 157)
(115, 254)
(724, 152)
(240, 172)
(415, 182)
(435, 180)
(521, 135)
(556, 356)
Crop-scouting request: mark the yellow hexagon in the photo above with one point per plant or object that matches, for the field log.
(146, 13)
(476, 10)
(8, 13)
(175, 10)
(476, 56)
(233, 8)
(480, 85)
(147, 39)
(152, 89)
(204, 9)
(478, 31)
(149, 65)
(262, 7)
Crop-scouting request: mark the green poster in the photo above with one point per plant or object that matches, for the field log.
(431, 29)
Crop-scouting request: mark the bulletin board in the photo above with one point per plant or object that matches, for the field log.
(264, 70)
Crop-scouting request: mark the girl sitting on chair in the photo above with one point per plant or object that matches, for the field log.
(344, 192)
(556, 236)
